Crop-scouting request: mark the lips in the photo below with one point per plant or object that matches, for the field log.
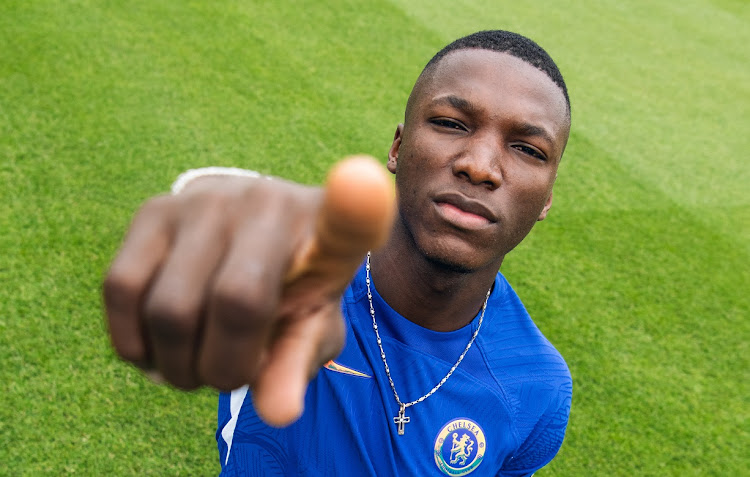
(464, 212)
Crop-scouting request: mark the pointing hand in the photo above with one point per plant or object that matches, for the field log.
(238, 280)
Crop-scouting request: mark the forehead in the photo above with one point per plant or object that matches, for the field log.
(501, 84)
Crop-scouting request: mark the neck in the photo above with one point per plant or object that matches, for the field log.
(429, 294)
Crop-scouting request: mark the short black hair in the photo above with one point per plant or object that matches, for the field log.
(511, 43)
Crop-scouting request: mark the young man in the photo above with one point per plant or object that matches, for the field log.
(428, 364)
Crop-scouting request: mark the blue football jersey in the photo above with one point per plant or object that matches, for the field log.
(503, 412)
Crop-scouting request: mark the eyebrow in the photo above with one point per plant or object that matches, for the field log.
(457, 102)
(527, 129)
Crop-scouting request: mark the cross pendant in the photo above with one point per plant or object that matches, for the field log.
(401, 419)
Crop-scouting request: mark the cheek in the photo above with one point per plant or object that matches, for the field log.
(534, 183)
(528, 190)
(410, 173)
(530, 205)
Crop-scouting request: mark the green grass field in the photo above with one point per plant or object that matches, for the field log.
(640, 275)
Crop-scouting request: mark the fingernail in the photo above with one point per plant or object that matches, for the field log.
(155, 376)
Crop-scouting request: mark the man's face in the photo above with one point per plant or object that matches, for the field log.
(477, 157)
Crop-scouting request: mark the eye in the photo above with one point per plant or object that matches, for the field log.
(448, 124)
(530, 151)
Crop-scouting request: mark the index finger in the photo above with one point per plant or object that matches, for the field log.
(356, 216)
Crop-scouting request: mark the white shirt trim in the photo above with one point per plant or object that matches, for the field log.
(235, 404)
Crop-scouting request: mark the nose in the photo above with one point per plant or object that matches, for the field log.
(480, 164)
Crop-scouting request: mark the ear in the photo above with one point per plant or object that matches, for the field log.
(393, 151)
(546, 208)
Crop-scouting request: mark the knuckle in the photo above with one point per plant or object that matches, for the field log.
(219, 200)
(224, 378)
(155, 206)
(241, 307)
(170, 321)
(130, 351)
(303, 201)
(261, 189)
(182, 383)
(223, 381)
(215, 204)
(159, 202)
(121, 286)
(280, 201)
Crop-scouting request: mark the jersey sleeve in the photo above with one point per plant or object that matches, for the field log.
(544, 441)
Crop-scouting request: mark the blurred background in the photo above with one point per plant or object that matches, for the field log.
(639, 276)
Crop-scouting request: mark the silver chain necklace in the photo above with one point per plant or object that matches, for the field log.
(402, 419)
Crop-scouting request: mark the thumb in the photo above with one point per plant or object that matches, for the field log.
(356, 215)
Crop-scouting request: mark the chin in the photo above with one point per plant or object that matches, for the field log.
(454, 251)
(458, 258)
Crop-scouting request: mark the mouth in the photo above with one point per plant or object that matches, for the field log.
(463, 212)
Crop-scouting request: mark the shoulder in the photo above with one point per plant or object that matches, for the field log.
(513, 344)
(533, 375)
(530, 370)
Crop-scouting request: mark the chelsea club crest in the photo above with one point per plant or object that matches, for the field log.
(459, 447)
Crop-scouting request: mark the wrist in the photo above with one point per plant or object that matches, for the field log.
(189, 176)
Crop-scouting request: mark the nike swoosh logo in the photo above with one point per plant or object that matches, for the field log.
(340, 368)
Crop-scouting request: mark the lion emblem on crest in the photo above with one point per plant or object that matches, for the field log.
(461, 448)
